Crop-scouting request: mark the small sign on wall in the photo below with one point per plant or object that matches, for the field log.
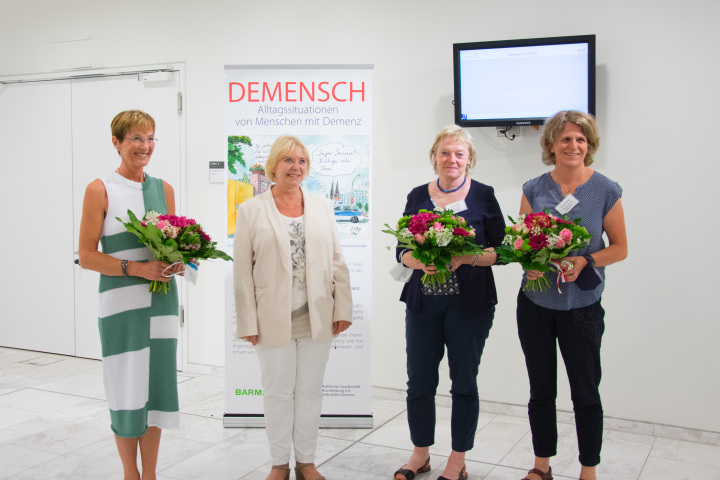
(217, 172)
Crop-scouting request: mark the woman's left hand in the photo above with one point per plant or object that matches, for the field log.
(457, 262)
(483, 260)
(178, 268)
(340, 326)
(578, 264)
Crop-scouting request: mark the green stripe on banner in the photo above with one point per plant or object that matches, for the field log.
(154, 195)
(120, 241)
(163, 375)
(129, 423)
(123, 332)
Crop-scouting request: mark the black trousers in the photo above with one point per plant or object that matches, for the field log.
(441, 323)
(578, 332)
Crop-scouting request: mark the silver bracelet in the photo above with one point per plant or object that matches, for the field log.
(475, 261)
(123, 265)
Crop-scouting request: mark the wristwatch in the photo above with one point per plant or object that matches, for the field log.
(590, 259)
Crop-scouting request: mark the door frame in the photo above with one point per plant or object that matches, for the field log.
(181, 200)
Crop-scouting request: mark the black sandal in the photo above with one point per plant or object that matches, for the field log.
(409, 474)
(463, 475)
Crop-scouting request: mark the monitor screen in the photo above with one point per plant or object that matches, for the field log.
(523, 82)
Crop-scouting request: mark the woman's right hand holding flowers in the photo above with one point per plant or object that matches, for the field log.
(534, 274)
(411, 262)
(154, 270)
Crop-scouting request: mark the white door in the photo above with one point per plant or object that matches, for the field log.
(36, 290)
(95, 102)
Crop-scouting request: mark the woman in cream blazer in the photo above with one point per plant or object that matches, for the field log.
(292, 294)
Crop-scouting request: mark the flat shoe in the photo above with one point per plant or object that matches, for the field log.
(298, 471)
(285, 468)
(463, 475)
(409, 474)
(543, 476)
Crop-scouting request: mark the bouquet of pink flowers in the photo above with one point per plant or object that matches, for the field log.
(538, 241)
(172, 239)
(435, 238)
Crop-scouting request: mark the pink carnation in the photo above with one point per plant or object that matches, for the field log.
(204, 235)
(424, 217)
(518, 243)
(418, 227)
(559, 243)
(437, 226)
(161, 224)
(538, 219)
(538, 242)
(180, 222)
(419, 238)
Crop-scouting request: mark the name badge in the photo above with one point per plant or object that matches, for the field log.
(191, 273)
(457, 207)
(567, 204)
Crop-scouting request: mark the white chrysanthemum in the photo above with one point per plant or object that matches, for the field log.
(170, 231)
(508, 240)
(405, 233)
(443, 237)
(151, 217)
(555, 242)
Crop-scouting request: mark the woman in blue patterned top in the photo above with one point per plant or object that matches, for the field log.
(575, 318)
(456, 315)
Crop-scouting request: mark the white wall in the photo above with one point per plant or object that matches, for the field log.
(657, 105)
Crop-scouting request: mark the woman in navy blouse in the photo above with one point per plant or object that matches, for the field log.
(574, 319)
(457, 314)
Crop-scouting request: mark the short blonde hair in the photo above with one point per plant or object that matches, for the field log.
(280, 148)
(556, 124)
(458, 134)
(129, 119)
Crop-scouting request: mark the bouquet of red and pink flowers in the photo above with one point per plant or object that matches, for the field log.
(172, 239)
(538, 241)
(435, 238)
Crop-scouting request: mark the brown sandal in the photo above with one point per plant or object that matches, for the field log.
(285, 468)
(298, 471)
(543, 475)
(463, 475)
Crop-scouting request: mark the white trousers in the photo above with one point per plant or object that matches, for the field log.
(292, 379)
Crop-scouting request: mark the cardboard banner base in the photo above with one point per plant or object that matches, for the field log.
(236, 420)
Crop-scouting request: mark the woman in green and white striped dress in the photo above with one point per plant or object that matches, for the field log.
(138, 329)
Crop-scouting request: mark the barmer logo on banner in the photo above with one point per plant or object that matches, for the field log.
(249, 391)
(329, 109)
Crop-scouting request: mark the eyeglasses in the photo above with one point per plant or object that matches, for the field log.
(140, 140)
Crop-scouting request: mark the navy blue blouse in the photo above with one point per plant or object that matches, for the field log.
(477, 285)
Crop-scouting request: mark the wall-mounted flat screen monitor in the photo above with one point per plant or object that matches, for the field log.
(523, 82)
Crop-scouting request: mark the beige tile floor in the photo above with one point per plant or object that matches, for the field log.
(54, 424)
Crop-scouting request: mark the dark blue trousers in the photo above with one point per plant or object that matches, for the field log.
(578, 333)
(442, 323)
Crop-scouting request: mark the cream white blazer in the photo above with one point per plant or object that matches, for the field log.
(263, 271)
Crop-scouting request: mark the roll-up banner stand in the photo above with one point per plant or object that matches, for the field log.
(329, 108)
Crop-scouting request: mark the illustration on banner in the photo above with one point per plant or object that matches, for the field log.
(339, 171)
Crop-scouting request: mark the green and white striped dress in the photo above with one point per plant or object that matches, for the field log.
(138, 329)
